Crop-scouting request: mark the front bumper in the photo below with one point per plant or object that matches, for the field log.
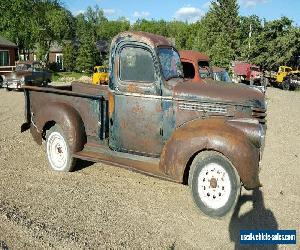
(12, 84)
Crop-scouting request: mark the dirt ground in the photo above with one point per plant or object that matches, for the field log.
(100, 206)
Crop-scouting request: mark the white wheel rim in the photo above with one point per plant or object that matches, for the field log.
(214, 186)
(57, 151)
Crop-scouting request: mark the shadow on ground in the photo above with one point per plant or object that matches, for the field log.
(259, 218)
(82, 164)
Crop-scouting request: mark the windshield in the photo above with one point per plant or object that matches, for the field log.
(254, 68)
(22, 67)
(170, 63)
(204, 69)
(222, 76)
(102, 70)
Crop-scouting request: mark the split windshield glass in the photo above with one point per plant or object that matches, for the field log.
(170, 63)
(204, 69)
(22, 67)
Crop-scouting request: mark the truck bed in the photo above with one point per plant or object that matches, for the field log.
(90, 101)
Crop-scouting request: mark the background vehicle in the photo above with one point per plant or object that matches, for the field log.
(291, 81)
(210, 136)
(193, 69)
(246, 73)
(196, 65)
(283, 71)
(100, 75)
(220, 74)
(286, 78)
(27, 73)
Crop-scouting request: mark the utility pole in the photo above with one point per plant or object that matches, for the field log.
(250, 35)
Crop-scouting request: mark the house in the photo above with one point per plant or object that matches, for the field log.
(8, 52)
(56, 55)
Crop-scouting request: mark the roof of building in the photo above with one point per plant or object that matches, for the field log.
(6, 43)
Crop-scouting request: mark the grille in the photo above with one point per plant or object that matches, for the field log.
(203, 107)
(259, 114)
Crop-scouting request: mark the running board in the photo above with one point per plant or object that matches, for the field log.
(146, 165)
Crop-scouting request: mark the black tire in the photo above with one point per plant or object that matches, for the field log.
(58, 150)
(285, 85)
(46, 83)
(213, 190)
(8, 89)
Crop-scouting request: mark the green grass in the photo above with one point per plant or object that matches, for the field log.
(60, 76)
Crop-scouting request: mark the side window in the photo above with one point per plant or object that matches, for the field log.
(188, 70)
(4, 58)
(37, 67)
(136, 64)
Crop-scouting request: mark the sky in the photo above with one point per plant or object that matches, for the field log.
(185, 10)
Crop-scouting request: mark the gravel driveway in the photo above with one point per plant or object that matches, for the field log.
(100, 206)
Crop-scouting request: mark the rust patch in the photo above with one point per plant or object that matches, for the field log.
(137, 109)
(132, 88)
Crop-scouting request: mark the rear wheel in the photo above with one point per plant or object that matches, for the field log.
(58, 150)
(285, 85)
(214, 183)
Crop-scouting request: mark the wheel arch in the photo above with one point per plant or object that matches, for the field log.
(210, 135)
(67, 118)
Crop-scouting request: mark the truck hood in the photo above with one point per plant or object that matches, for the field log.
(219, 92)
(17, 74)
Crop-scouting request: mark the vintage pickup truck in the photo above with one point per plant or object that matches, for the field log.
(27, 73)
(152, 120)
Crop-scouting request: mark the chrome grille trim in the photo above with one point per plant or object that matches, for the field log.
(203, 107)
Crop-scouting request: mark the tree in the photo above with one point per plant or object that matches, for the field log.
(53, 23)
(87, 55)
(107, 30)
(218, 32)
(17, 23)
(278, 43)
(69, 52)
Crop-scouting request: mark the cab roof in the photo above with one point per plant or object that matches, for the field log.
(192, 55)
(148, 38)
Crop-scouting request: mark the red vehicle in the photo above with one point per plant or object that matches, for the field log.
(247, 73)
(193, 61)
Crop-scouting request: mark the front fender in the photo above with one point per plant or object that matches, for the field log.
(211, 134)
(69, 120)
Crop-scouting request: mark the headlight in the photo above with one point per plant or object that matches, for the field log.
(22, 80)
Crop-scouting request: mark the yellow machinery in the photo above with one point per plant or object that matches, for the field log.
(100, 75)
(282, 73)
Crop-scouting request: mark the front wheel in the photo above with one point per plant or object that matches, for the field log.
(58, 150)
(214, 183)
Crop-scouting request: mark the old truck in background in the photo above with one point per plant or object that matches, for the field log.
(248, 73)
(197, 68)
(196, 65)
(100, 75)
(285, 78)
(27, 73)
(152, 120)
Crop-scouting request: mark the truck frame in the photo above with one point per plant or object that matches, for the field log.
(149, 119)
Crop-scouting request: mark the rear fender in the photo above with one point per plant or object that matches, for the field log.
(211, 134)
(69, 120)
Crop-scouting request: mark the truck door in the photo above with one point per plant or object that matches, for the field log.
(37, 74)
(135, 125)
